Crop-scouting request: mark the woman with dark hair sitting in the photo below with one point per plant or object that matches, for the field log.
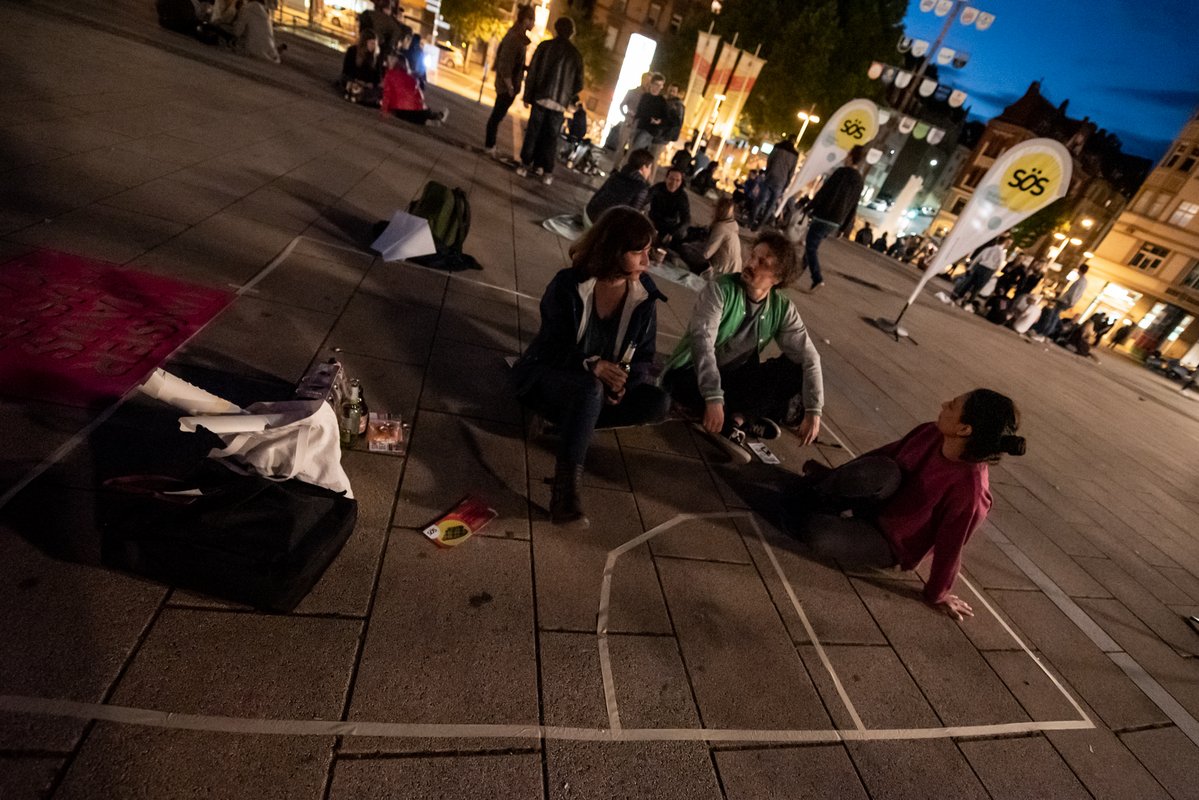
(926, 493)
(589, 365)
(362, 70)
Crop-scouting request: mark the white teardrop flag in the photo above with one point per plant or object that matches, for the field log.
(905, 44)
(852, 124)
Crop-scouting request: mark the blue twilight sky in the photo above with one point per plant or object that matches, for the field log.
(1132, 66)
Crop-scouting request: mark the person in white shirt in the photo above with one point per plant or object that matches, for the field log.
(981, 269)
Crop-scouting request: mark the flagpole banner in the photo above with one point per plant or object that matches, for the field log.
(701, 67)
(718, 82)
(740, 85)
(852, 124)
(1021, 182)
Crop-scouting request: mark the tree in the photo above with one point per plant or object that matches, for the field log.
(475, 19)
(1025, 234)
(597, 59)
(817, 53)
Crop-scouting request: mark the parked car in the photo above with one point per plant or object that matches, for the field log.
(450, 56)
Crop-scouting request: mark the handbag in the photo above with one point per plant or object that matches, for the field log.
(239, 537)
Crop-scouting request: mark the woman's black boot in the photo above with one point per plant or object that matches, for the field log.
(565, 506)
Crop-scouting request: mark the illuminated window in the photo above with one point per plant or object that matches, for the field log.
(1149, 257)
(610, 37)
(958, 205)
(1172, 159)
(676, 22)
(655, 13)
(1143, 201)
(1158, 205)
(1182, 326)
(1183, 215)
(1191, 281)
(1189, 161)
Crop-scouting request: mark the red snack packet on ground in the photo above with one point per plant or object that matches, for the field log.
(464, 521)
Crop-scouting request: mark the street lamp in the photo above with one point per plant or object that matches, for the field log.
(806, 117)
(1063, 241)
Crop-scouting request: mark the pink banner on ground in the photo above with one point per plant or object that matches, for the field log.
(80, 332)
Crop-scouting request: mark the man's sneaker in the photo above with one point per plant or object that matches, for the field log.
(816, 287)
(538, 172)
(547, 179)
(489, 151)
(443, 115)
(734, 445)
(522, 171)
(944, 298)
(763, 428)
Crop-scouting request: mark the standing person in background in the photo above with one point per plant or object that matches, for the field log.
(780, 166)
(980, 271)
(383, 24)
(509, 72)
(554, 81)
(1052, 318)
(833, 209)
(651, 114)
(672, 126)
(415, 55)
(628, 107)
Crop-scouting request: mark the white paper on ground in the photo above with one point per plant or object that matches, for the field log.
(406, 236)
(162, 385)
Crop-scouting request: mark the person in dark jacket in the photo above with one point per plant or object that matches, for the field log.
(780, 166)
(415, 56)
(362, 70)
(553, 84)
(383, 24)
(590, 365)
(833, 209)
(651, 114)
(669, 208)
(509, 72)
(627, 187)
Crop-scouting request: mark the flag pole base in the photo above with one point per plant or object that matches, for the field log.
(891, 327)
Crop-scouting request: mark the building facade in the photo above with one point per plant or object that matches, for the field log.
(1146, 269)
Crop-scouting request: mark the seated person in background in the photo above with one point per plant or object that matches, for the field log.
(362, 70)
(721, 252)
(181, 16)
(1026, 310)
(629, 186)
(576, 127)
(926, 493)
(402, 96)
(589, 365)
(682, 160)
(254, 34)
(716, 370)
(705, 180)
(669, 208)
(224, 12)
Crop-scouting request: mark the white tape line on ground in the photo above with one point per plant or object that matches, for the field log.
(399, 730)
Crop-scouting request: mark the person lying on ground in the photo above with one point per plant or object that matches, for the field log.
(589, 365)
(924, 494)
(402, 96)
(629, 186)
(253, 32)
(716, 370)
(362, 70)
(669, 208)
(721, 251)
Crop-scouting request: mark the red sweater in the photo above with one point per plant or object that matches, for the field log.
(938, 505)
(401, 92)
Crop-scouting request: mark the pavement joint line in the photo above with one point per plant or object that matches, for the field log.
(1158, 694)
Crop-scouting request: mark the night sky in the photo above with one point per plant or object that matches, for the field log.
(1131, 66)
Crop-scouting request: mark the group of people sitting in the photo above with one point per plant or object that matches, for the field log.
(386, 68)
(244, 25)
(593, 364)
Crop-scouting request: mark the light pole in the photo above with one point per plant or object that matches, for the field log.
(807, 117)
(1063, 241)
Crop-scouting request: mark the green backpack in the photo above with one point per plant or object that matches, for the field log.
(448, 213)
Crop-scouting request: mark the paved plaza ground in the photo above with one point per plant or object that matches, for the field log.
(728, 663)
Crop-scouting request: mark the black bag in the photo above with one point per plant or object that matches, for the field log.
(242, 537)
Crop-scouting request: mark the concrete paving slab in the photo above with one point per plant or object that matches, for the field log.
(570, 565)
(172, 199)
(451, 640)
(130, 761)
(384, 328)
(1022, 768)
(821, 773)
(464, 777)
(605, 465)
(1161, 620)
(1118, 701)
(882, 691)
(100, 232)
(989, 568)
(450, 457)
(486, 321)
(1170, 756)
(951, 673)
(728, 629)
(311, 283)
(665, 484)
(470, 381)
(1064, 571)
(666, 770)
(119, 166)
(27, 777)
(1041, 700)
(248, 665)
(703, 539)
(833, 608)
(913, 770)
(98, 618)
(673, 437)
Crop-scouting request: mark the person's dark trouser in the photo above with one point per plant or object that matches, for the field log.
(575, 401)
(416, 117)
(503, 102)
(974, 282)
(541, 138)
(772, 389)
(764, 205)
(818, 231)
(860, 486)
(1048, 324)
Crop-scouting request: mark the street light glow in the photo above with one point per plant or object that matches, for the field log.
(933, 163)
(1088, 223)
(1088, 254)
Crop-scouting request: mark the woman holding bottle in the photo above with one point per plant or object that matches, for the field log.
(589, 365)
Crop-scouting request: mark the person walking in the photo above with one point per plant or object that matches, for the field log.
(833, 209)
(980, 271)
(553, 83)
(780, 166)
(1052, 318)
(509, 72)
